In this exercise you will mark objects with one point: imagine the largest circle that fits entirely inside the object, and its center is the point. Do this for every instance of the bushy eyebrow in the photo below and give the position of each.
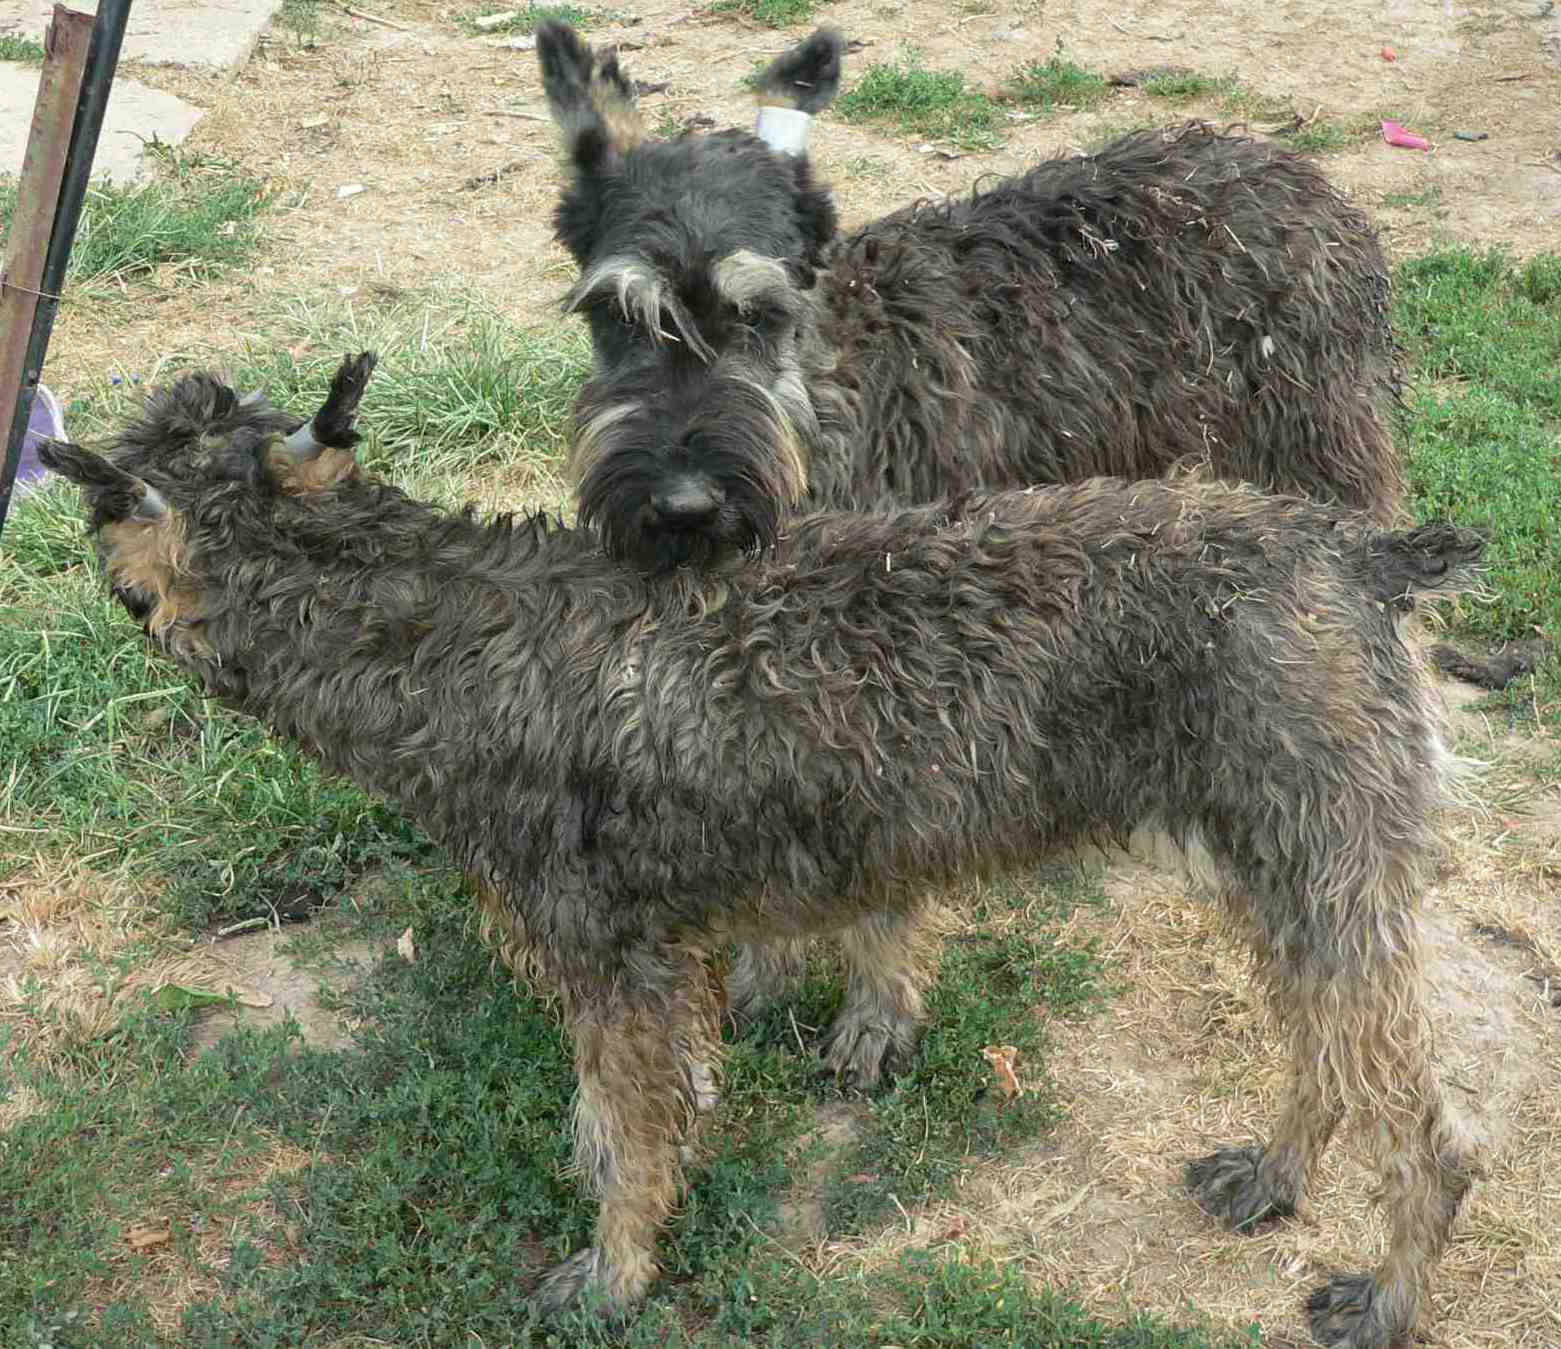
(643, 296)
(750, 281)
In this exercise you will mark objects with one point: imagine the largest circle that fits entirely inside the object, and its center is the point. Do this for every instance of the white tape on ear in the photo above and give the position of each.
(783, 129)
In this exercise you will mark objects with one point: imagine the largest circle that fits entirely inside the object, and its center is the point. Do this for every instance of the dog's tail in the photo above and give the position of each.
(1397, 565)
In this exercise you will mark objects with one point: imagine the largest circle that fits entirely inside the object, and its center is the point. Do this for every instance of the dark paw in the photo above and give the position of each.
(1344, 1312)
(579, 1282)
(1228, 1185)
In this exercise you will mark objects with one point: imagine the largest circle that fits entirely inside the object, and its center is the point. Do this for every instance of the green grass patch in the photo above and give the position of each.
(1429, 196)
(527, 19)
(15, 47)
(301, 19)
(1482, 425)
(409, 1188)
(937, 105)
(770, 13)
(1183, 86)
(1057, 83)
(200, 214)
(1229, 93)
(1325, 135)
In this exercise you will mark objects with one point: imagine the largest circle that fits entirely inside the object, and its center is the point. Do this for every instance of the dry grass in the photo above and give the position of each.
(175, 1263)
(65, 933)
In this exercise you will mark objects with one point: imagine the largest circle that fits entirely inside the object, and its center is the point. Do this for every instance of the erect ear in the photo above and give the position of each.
(591, 99)
(319, 454)
(804, 78)
(113, 494)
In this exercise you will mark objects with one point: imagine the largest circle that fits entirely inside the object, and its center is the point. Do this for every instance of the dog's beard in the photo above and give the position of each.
(744, 443)
(615, 501)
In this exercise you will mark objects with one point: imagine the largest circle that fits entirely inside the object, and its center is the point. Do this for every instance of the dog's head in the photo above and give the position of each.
(198, 457)
(695, 258)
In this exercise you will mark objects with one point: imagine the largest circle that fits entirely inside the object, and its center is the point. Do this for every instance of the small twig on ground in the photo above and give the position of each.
(802, 1048)
(494, 178)
(375, 18)
(524, 116)
(1153, 37)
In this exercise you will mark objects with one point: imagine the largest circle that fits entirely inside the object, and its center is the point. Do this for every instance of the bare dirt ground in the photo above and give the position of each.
(448, 135)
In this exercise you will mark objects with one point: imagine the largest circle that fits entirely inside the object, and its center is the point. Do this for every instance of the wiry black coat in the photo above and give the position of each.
(887, 699)
(1190, 294)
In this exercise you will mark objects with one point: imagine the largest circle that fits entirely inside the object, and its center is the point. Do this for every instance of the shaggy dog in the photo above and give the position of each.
(638, 770)
(1180, 294)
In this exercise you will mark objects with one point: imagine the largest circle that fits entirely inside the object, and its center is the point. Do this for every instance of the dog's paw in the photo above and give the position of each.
(862, 1048)
(1229, 1185)
(579, 1283)
(1344, 1312)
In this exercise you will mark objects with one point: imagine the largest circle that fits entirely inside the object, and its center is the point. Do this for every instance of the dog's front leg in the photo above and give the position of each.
(646, 1045)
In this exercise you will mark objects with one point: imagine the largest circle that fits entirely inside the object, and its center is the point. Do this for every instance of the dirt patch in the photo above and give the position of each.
(64, 931)
(282, 986)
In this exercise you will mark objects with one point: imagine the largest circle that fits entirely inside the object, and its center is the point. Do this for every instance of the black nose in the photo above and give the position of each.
(688, 502)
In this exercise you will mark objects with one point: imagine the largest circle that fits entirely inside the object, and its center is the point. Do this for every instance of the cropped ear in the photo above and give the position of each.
(319, 454)
(113, 494)
(804, 78)
(591, 99)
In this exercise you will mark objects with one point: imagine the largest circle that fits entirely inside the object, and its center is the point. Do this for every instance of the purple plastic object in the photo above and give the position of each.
(45, 423)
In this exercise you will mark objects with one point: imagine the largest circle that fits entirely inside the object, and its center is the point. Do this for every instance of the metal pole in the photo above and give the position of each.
(69, 192)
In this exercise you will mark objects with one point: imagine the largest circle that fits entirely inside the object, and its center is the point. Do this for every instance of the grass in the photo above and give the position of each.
(1482, 426)
(770, 13)
(408, 1187)
(202, 215)
(943, 1113)
(1183, 86)
(527, 18)
(1319, 136)
(15, 47)
(301, 18)
(1429, 196)
(1057, 83)
(936, 105)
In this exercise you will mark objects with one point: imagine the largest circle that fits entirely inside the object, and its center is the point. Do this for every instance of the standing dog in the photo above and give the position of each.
(639, 769)
(1179, 294)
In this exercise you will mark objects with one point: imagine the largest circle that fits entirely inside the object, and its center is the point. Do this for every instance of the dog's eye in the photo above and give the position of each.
(772, 322)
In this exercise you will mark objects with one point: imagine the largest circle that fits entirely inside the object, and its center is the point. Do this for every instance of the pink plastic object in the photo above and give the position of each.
(1394, 134)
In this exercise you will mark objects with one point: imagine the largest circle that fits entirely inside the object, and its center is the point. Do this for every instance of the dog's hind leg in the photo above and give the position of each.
(1343, 975)
(647, 1058)
(881, 1020)
(1425, 1170)
(1244, 1187)
(762, 973)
